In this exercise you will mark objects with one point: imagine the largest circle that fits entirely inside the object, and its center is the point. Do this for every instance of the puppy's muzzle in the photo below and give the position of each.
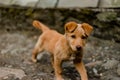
(78, 48)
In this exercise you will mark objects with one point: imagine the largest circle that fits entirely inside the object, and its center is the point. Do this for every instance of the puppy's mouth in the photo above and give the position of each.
(76, 49)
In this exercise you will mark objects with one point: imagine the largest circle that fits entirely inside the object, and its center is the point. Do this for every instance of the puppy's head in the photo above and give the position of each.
(76, 34)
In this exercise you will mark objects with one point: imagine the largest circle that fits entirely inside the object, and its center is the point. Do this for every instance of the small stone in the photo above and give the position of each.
(10, 66)
(93, 60)
(95, 71)
(6, 77)
(106, 48)
(101, 74)
(10, 77)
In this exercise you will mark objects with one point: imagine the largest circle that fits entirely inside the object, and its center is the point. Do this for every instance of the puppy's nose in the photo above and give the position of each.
(78, 48)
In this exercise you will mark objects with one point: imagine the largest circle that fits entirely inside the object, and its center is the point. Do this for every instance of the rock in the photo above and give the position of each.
(10, 77)
(118, 70)
(91, 64)
(95, 71)
(107, 16)
(18, 73)
(110, 64)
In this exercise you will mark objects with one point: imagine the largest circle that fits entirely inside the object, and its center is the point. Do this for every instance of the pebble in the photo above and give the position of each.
(95, 71)
(106, 48)
(6, 77)
(101, 74)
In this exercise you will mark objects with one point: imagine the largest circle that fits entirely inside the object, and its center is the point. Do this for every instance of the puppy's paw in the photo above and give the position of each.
(59, 78)
(34, 60)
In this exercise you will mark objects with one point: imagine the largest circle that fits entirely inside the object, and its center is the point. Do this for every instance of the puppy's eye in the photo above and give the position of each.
(73, 36)
(84, 37)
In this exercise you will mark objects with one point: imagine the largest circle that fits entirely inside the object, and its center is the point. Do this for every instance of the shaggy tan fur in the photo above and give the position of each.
(63, 47)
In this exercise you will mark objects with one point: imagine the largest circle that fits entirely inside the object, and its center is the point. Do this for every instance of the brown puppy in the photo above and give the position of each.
(63, 47)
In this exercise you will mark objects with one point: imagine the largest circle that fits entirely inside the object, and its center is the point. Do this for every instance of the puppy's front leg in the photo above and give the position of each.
(58, 70)
(81, 69)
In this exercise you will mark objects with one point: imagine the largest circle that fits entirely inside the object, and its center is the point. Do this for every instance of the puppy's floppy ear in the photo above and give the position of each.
(87, 28)
(70, 27)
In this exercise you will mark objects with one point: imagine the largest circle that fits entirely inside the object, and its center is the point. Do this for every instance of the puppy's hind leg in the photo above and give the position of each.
(38, 48)
(52, 60)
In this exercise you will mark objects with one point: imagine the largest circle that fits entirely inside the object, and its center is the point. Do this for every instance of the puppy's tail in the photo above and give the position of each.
(40, 26)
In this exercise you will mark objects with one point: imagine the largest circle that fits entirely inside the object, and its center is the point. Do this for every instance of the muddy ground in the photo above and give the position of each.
(102, 58)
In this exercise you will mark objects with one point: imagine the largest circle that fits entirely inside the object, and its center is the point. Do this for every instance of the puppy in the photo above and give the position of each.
(63, 47)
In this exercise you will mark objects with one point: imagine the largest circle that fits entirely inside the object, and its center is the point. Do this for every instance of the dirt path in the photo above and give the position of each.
(102, 59)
